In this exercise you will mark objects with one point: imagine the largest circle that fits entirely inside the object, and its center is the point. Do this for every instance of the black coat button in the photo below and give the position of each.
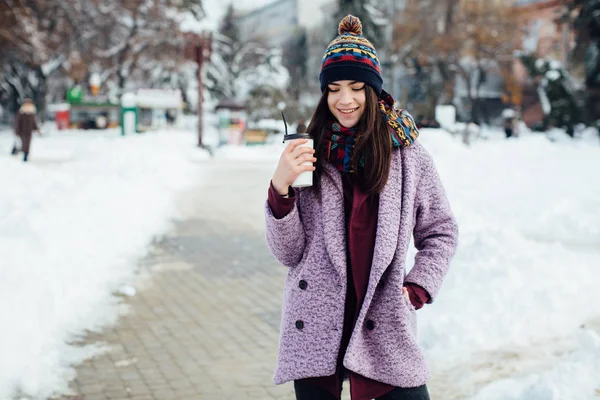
(370, 325)
(299, 324)
(302, 284)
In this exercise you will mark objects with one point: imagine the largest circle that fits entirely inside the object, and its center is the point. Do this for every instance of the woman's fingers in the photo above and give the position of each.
(300, 155)
(299, 151)
(305, 158)
(294, 144)
(405, 293)
(304, 168)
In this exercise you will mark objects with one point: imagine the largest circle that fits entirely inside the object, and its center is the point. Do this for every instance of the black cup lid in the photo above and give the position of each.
(299, 135)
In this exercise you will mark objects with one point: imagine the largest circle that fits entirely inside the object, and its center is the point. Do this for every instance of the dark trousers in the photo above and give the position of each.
(306, 391)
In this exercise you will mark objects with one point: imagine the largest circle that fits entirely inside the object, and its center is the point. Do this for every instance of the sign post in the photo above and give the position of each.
(199, 48)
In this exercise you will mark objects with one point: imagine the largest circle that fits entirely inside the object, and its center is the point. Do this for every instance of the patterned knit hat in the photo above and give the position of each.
(350, 56)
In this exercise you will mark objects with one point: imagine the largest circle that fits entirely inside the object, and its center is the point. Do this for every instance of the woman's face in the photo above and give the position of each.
(346, 101)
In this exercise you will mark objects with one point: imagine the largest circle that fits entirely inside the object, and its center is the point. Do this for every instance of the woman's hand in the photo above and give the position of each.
(406, 294)
(290, 165)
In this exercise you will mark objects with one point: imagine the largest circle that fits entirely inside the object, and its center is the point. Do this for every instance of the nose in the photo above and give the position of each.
(346, 96)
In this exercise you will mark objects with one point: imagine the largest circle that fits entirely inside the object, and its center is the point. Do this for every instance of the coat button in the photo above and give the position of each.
(370, 325)
(299, 324)
(302, 284)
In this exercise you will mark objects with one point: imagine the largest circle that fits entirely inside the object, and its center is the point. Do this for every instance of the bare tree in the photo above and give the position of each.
(34, 47)
(443, 40)
(133, 35)
(137, 41)
(237, 66)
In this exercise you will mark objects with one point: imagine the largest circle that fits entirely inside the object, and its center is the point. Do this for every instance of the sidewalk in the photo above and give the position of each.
(205, 325)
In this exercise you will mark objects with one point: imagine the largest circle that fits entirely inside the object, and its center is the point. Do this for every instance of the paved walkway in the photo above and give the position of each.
(205, 324)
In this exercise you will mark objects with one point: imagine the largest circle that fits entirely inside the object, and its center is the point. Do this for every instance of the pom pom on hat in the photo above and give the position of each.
(350, 24)
(350, 56)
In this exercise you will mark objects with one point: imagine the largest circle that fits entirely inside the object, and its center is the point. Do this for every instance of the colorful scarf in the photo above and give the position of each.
(338, 141)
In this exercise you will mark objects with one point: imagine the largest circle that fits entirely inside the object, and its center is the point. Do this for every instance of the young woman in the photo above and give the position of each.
(349, 304)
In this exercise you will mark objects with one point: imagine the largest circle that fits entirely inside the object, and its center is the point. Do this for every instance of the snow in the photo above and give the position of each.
(159, 98)
(546, 106)
(508, 113)
(555, 65)
(520, 299)
(553, 75)
(276, 125)
(540, 63)
(52, 65)
(576, 377)
(73, 223)
(525, 276)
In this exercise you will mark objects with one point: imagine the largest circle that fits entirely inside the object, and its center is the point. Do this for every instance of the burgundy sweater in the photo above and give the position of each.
(361, 228)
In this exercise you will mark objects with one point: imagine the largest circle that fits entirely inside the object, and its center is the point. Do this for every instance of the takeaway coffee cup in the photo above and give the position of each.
(305, 178)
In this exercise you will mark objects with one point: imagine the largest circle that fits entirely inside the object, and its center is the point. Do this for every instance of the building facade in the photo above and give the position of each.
(276, 22)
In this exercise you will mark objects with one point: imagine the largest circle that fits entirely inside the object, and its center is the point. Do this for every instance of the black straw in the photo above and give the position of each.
(285, 123)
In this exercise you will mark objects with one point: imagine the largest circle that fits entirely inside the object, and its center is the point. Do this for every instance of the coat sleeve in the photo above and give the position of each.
(435, 232)
(285, 236)
(280, 206)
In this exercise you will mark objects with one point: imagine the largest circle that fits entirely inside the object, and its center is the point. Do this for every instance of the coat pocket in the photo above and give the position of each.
(411, 315)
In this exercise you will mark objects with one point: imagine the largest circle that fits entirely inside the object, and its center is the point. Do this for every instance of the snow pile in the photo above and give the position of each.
(575, 378)
(526, 271)
(73, 223)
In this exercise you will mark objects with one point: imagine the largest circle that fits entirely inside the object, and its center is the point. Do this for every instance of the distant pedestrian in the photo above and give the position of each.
(509, 127)
(25, 125)
(301, 127)
(349, 305)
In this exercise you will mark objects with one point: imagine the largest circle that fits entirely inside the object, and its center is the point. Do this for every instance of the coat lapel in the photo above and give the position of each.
(388, 221)
(332, 193)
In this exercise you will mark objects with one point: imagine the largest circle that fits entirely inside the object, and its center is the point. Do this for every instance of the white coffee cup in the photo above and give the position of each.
(305, 179)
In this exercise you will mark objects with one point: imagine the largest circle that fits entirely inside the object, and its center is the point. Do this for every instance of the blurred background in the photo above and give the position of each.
(538, 58)
(132, 252)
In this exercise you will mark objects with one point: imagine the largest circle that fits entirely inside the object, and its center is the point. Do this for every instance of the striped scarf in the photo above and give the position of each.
(339, 141)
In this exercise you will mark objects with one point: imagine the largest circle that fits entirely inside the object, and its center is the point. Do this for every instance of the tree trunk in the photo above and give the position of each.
(13, 99)
(122, 80)
(470, 106)
(475, 112)
(40, 93)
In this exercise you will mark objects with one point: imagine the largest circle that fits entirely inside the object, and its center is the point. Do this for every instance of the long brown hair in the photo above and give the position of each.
(373, 142)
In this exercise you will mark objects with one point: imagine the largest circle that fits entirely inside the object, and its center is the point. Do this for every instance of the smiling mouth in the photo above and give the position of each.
(348, 110)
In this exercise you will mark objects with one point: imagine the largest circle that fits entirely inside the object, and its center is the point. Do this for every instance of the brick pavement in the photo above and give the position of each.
(204, 323)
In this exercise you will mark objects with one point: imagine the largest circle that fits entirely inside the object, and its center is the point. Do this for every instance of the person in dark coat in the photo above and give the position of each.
(301, 127)
(25, 125)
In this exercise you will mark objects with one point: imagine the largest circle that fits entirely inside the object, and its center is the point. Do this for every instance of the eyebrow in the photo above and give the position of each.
(337, 84)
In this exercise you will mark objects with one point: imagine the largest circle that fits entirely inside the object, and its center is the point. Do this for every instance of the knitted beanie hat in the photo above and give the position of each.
(350, 56)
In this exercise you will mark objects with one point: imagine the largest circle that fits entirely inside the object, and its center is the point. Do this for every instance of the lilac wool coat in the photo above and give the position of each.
(311, 242)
